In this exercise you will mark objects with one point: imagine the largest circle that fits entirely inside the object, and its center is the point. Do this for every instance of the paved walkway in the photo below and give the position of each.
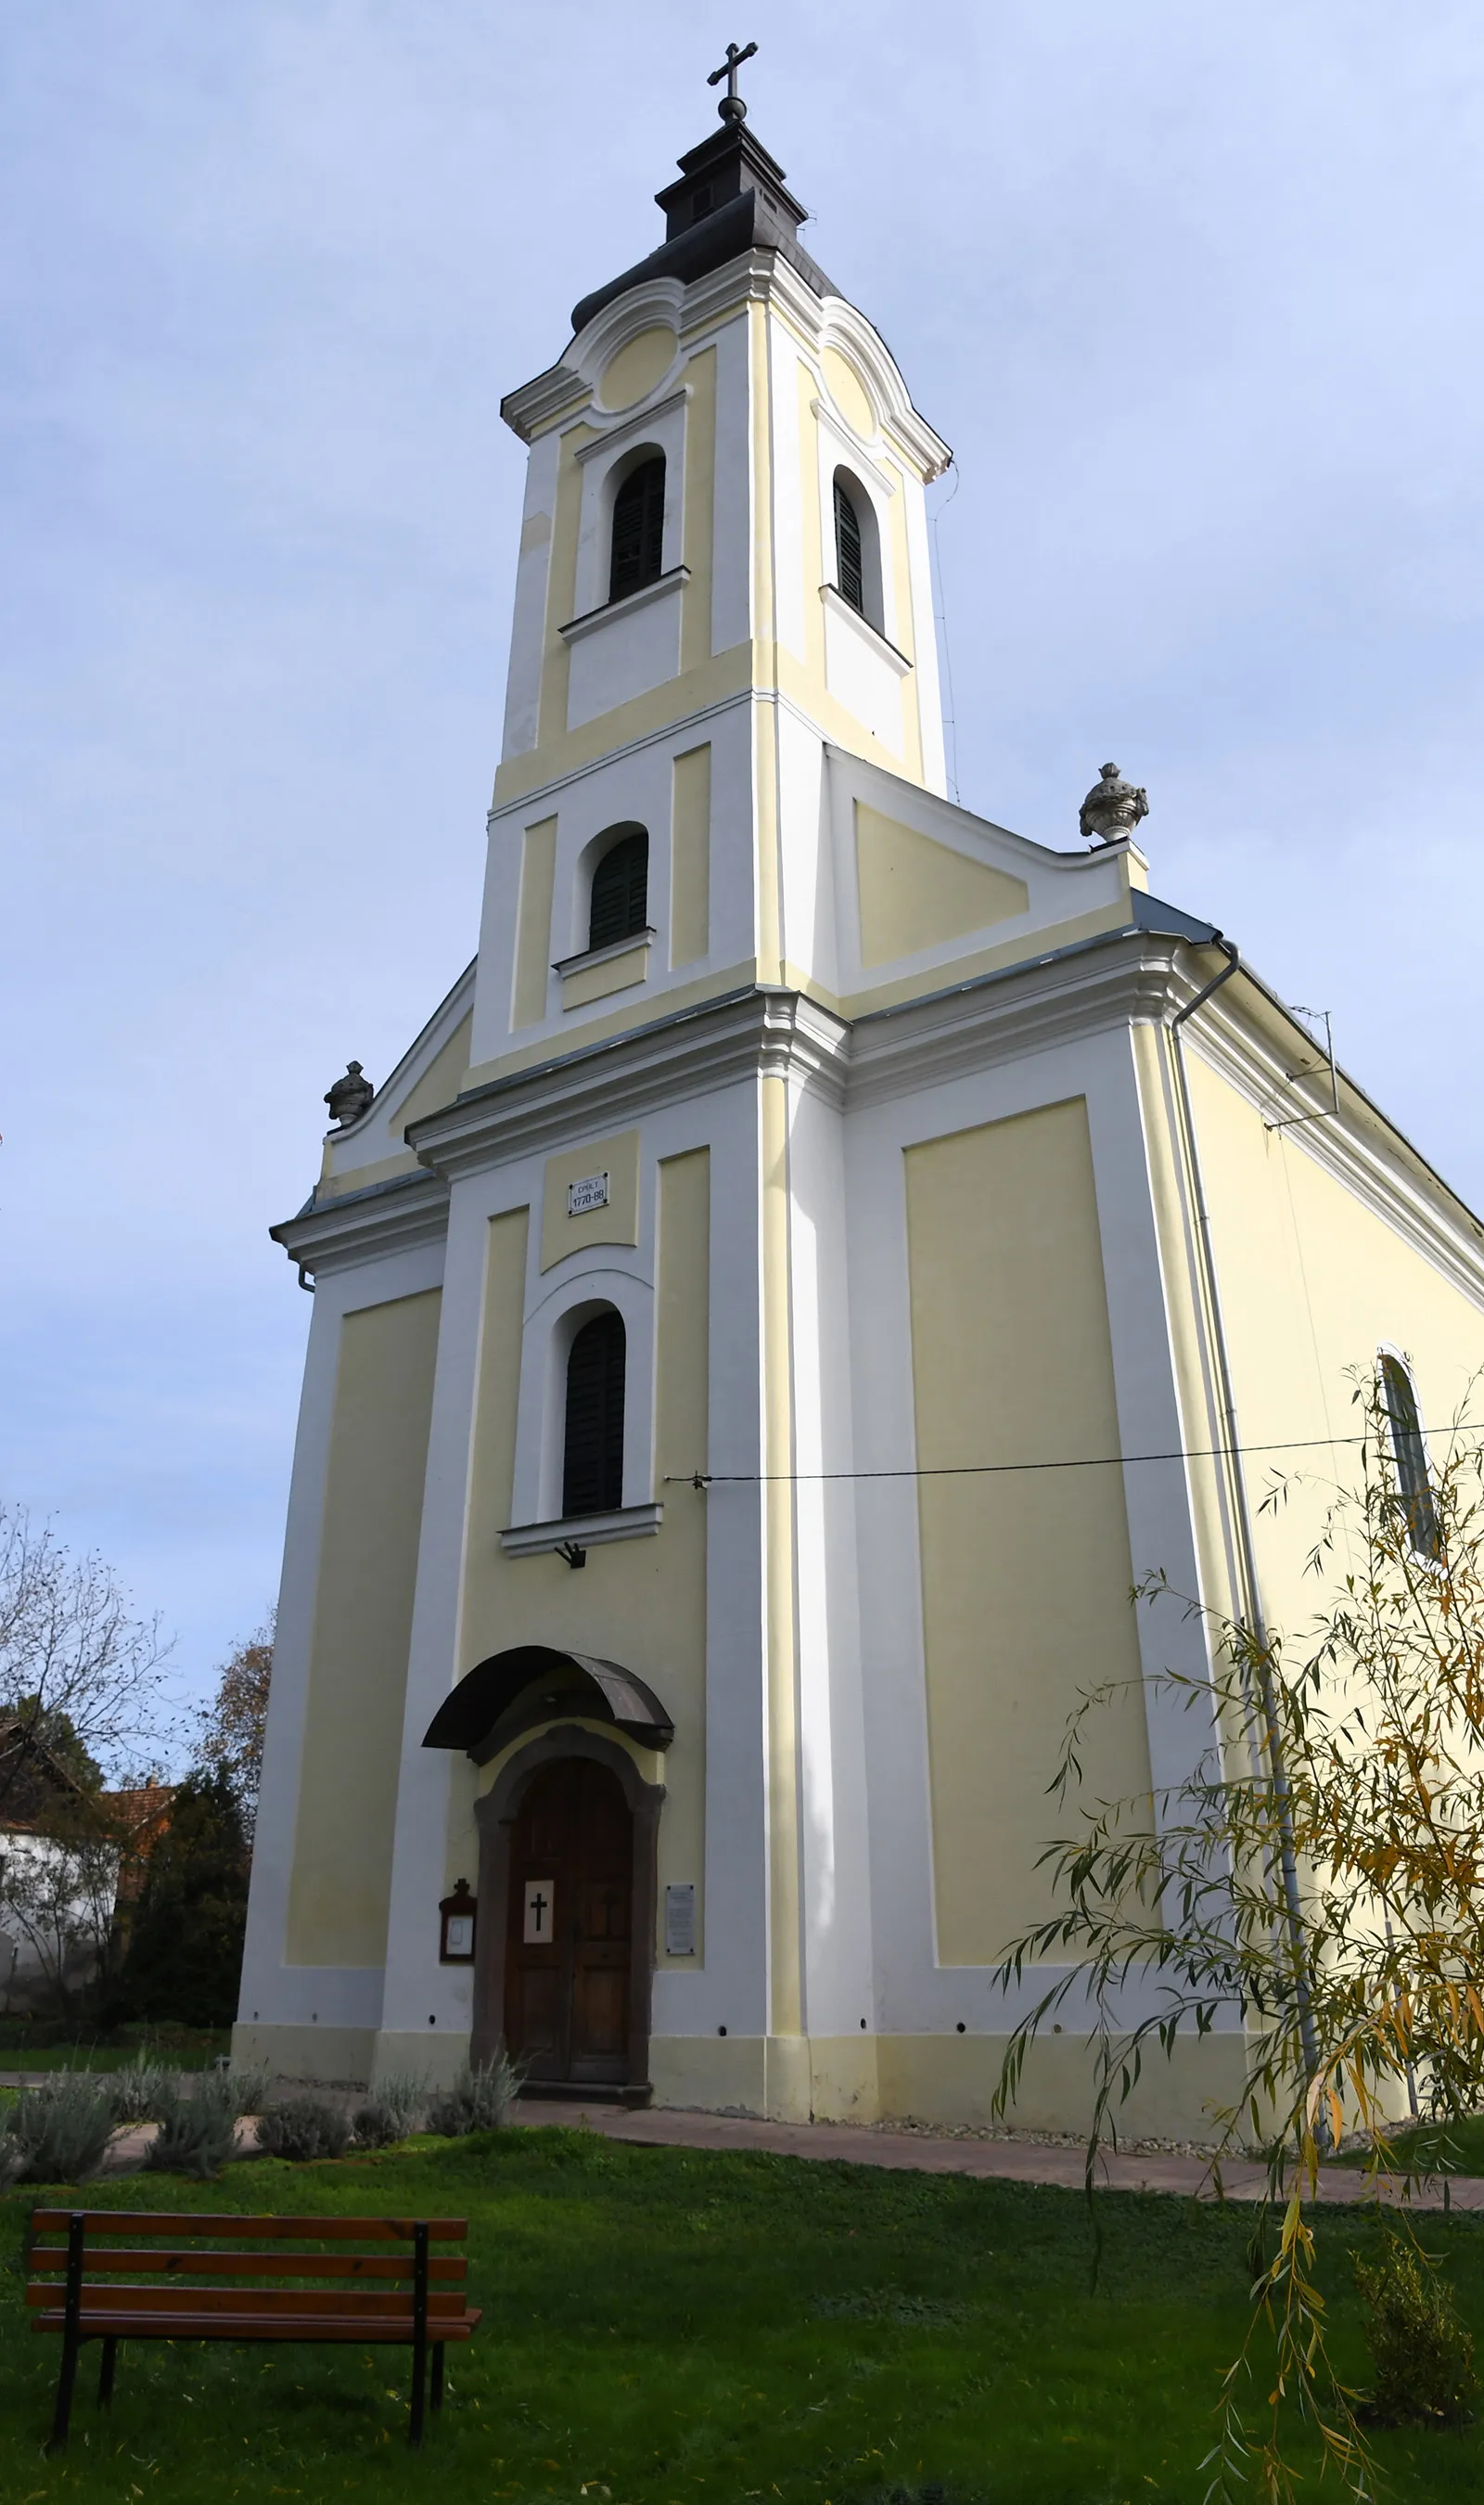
(1007, 2160)
(1014, 2161)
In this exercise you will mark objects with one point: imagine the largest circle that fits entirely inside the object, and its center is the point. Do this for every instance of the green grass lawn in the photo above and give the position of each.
(1446, 2148)
(110, 2057)
(663, 2326)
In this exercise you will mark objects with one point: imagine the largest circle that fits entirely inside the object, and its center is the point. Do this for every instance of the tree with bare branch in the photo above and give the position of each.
(80, 1675)
(234, 1723)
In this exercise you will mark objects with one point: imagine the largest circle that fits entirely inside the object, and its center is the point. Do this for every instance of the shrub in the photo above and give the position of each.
(247, 2089)
(197, 2134)
(61, 2128)
(1421, 2354)
(479, 2100)
(143, 2091)
(302, 2129)
(391, 2111)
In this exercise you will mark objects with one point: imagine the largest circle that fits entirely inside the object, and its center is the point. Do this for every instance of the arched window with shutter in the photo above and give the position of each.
(593, 1453)
(1410, 1452)
(638, 529)
(849, 561)
(619, 905)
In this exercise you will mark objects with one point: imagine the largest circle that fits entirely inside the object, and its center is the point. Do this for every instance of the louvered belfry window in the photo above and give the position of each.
(1411, 1457)
(638, 529)
(620, 900)
(593, 1456)
(847, 558)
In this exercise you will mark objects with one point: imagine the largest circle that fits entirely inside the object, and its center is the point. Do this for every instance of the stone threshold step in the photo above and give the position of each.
(589, 2092)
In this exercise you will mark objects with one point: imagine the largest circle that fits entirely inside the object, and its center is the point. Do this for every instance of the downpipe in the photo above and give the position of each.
(1251, 1594)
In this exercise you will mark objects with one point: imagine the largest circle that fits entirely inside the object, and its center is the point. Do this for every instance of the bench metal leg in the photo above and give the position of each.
(418, 2327)
(64, 2384)
(106, 2375)
(72, 2333)
(435, 2396)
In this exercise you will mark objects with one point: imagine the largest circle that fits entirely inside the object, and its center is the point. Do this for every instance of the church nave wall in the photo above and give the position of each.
(1026, 1577)
(362, 1619)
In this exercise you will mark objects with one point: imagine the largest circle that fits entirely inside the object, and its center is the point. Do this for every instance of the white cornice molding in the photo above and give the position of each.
(759, 275)
(1114, 979)
(840, 325)
(1096, 986)
(531, 408)
(366, 1226)
(746, 1035)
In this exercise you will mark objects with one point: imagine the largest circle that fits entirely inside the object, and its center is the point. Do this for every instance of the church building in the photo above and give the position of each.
(823, 1252)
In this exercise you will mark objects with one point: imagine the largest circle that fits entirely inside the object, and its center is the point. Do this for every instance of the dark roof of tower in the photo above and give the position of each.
(731, 198)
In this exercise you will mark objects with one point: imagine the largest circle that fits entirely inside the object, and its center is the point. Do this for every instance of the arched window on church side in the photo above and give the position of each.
(619, 906)
(849, 569)
(593, 1454)
(638, 529)
(1411, 1458)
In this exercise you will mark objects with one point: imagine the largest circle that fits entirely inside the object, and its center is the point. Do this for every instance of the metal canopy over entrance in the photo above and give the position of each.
(531, 1684)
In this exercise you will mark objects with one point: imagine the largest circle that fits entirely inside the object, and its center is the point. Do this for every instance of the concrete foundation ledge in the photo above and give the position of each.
(946, 2081)
(343, 2054)
(352, 2055)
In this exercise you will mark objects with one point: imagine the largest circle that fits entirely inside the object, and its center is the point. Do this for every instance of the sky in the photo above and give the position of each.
(1192, 293)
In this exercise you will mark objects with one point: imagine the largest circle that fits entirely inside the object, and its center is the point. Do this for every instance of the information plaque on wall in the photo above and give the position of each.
(680, 1922)
(589, 1191)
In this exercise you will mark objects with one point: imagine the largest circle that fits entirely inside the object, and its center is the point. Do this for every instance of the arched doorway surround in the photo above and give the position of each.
(497, 1817)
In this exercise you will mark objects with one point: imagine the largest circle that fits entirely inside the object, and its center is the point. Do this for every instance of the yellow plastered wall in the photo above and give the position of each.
(640, 1601)
(362, 1625)
(1312, 1282)
(690, 857)
(1025, 1577)
(916, 892)
(532, 928)
(614, 974)
(638, 367)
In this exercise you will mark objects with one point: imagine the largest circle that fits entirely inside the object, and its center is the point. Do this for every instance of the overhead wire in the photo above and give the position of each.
(996, 1469)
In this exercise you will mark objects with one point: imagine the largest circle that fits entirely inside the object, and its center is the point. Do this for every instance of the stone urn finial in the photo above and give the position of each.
(350, 1096)
(1111, 808)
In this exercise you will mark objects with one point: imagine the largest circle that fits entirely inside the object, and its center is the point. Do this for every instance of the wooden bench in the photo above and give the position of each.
(114, 2274)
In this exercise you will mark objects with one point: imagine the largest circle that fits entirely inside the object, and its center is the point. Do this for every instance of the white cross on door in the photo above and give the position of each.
(540, 1911)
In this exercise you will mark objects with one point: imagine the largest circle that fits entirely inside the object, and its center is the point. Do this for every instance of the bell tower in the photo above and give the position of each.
(723, 572)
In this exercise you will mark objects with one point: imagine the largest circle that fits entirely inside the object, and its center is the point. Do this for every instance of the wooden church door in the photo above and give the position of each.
(568, 1949)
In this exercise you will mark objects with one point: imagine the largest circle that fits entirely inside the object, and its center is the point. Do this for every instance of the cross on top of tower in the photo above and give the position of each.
(732, 107)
